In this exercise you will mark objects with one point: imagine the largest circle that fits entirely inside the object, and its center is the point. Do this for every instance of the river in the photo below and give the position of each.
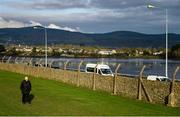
(128, 66)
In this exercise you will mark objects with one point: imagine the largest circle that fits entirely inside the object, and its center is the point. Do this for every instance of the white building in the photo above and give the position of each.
(158, 53)
(107, 52)
(27, 49)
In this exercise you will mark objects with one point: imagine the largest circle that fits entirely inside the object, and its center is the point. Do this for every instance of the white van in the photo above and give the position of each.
(158, 78)
(101, 69)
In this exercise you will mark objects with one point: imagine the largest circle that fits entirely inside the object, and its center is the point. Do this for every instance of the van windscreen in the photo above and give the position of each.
(90, 69)
(106, 71)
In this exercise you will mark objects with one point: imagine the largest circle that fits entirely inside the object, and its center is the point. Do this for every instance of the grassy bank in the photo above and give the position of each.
(55, 98)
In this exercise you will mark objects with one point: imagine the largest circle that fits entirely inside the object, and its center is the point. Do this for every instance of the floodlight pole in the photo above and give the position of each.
(45, 37)
(166, 70)
(166, 18)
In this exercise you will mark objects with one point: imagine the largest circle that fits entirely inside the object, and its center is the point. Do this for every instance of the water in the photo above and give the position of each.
(128, 66)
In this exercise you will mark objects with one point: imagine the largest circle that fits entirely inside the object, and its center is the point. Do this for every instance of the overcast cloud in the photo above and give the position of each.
(97, 16)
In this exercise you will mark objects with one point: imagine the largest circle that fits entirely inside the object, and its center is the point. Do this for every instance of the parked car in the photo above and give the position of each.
(158, 78)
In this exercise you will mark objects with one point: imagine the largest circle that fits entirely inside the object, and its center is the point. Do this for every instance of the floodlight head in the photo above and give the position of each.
(150, 6)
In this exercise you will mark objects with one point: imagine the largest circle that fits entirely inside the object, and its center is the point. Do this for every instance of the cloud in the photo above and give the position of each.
(18, 24)
(53, 26)
(33, 23)
(10, 23)
(69, 4)
(46, 4)
(59, 4)
(93, 15)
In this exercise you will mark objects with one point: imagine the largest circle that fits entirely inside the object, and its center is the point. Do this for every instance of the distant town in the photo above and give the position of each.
(88, 51)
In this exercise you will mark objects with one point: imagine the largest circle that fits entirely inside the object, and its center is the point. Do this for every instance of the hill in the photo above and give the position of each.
(30, 35)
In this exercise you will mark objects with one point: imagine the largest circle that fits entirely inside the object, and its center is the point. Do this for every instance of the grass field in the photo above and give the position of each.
(55, 98)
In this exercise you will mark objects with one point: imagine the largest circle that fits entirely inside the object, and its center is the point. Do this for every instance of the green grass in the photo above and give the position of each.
(55, 98)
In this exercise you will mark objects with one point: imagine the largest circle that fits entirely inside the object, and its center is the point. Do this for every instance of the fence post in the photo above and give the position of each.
(139, 83)
(51, 70)
(22, 60)
(94, 81)
(9, 59)
(65, 64)
(59, 64)
(15, 60)
(3, 58)
(171, 97)
(78, 73)
(50, 64)
(29, 65)
(141, 86)
(38, 73)
(115, 79)
(30, 62)
(39, 62)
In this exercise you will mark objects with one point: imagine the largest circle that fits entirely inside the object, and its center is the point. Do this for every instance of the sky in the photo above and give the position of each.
(92, 16)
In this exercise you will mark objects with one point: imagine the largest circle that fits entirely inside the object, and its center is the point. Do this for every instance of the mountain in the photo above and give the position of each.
(32, 36)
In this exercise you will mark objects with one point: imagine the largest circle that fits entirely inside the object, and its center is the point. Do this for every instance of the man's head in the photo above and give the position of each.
(26, 78)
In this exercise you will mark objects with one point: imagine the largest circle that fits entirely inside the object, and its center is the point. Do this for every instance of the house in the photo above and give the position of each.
(27, 49)
(158, 53)
(107, 52)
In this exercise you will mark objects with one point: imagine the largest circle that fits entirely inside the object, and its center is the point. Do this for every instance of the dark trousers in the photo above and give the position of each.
(25, 98)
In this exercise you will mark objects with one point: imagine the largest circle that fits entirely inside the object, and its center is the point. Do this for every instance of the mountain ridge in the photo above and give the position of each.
(31, 36)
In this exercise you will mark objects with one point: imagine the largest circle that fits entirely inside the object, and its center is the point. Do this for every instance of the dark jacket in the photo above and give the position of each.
(25, 87)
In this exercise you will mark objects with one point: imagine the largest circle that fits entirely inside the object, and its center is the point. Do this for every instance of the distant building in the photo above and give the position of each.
(107, 52)
(158, 53)
(49, 49)
(138, 52)
(60, 50)
(20, 49)
(38, 49)
(28, 49)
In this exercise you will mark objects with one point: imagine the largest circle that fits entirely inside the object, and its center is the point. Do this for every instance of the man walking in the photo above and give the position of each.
(25, 90)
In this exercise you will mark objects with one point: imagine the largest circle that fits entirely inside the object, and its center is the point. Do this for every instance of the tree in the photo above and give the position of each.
(33, 53)
(175, 51)
(12, 52)
(2, 49)
(34, 50)
(146, 52)
(55, 53)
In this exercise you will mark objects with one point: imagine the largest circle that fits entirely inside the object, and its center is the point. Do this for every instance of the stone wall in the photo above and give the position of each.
(127, 86)
(158, 91)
